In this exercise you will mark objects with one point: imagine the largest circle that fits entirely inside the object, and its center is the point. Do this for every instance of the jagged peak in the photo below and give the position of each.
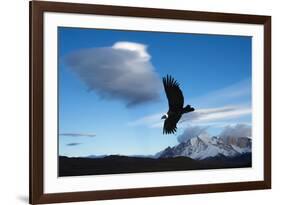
(204, 146)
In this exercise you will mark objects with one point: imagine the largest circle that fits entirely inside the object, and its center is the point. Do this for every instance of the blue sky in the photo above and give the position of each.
(111, 97)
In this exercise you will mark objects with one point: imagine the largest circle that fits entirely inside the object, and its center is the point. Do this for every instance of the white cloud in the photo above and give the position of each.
(239, 130)
(233, 131)
(190, 132)
(215, 114)
(208, 116)
(121, 72)
(140, 49)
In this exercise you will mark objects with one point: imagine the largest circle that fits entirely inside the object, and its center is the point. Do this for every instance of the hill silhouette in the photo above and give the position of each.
(115, 164)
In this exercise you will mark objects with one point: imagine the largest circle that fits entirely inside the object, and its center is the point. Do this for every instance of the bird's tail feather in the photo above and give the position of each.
(187, 109)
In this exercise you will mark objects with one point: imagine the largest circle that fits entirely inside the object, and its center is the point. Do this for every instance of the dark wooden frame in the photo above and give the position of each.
(37, 9)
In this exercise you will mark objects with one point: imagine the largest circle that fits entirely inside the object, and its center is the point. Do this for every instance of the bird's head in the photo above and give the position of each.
(164, 116)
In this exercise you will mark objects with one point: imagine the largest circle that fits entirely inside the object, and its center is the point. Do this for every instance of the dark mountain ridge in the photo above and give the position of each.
(197, 153)
(115, 164)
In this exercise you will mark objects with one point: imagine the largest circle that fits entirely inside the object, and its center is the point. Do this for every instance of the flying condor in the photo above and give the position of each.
(176, 103)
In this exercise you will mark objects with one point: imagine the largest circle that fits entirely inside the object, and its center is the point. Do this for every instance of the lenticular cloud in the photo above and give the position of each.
(120, 72)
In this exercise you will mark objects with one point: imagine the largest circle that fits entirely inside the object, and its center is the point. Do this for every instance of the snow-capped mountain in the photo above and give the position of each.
(204, 146)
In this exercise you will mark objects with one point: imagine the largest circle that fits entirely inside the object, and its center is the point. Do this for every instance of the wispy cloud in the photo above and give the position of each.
(190, 132)
(209, 116)
(215, 114)
(73, 144)
(122, 72)
(237, 131)
(238, 91)
(229, 103)
(72, 134)
(147, 120)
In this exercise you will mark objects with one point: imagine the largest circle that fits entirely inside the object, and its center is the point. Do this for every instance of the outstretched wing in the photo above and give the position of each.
(173, 93)
(170, 124)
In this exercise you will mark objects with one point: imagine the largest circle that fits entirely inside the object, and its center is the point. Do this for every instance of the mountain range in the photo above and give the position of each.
(196, 153)
(204, 147)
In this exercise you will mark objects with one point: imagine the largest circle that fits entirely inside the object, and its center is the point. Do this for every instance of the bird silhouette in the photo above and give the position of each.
(176, 103)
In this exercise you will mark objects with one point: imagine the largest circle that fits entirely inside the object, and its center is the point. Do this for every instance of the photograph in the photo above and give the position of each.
(129, 102)
(148, 101)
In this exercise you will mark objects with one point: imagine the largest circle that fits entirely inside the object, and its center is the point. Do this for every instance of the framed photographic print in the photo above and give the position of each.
(138, 102)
